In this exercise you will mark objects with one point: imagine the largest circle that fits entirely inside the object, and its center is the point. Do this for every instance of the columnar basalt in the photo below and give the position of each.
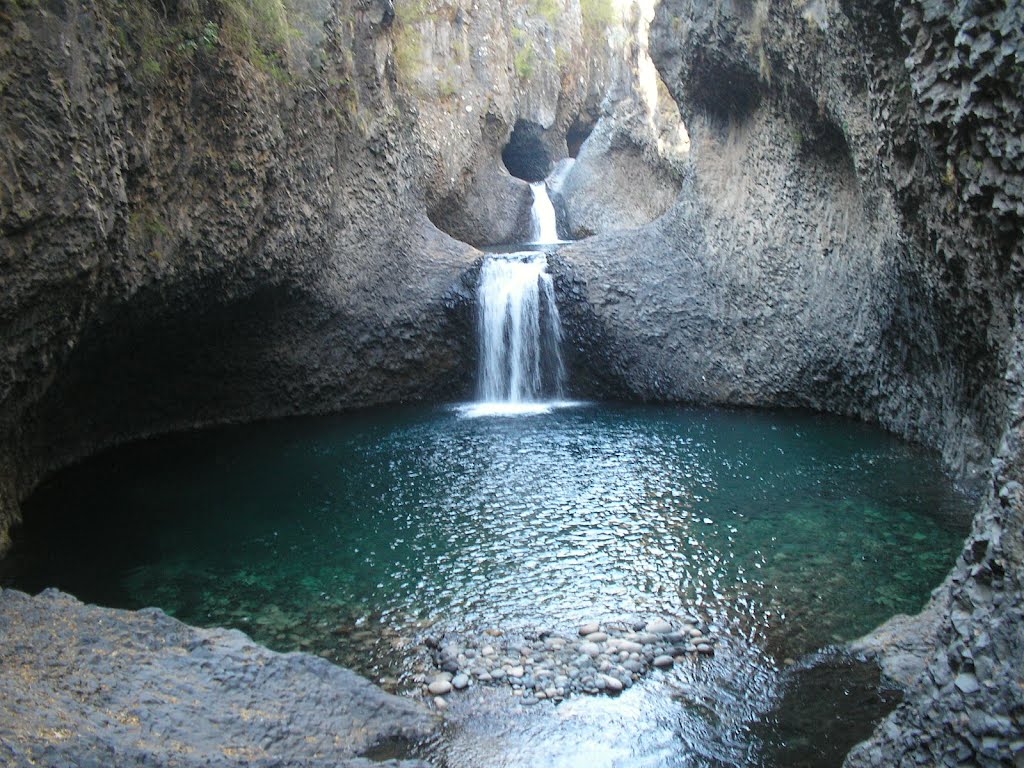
(848, 238)
(212, 217)
(203, 221)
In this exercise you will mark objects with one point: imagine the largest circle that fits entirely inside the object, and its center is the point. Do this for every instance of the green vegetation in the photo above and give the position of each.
(162, 41)
(598, 16)
(407, 46)
(549, 10)
(562, 59)
(447, 89)
(525, 61)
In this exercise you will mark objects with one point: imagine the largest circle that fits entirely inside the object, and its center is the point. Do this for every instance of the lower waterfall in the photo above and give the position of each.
(520, 332)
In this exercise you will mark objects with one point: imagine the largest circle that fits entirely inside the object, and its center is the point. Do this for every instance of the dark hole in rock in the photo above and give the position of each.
(827, 142)
(526, 156)
(578, 133)
(727, 94)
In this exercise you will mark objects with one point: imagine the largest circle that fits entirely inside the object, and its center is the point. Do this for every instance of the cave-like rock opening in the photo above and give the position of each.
(579, 131)
(526, 156)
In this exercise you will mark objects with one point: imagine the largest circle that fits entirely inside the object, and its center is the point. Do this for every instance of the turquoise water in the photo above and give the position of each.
(352, 536)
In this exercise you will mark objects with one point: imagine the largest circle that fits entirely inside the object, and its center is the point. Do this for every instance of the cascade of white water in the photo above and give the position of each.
(520, 331)
(542, 213)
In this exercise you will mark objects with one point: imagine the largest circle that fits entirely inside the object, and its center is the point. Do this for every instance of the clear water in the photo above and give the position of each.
(352, 536)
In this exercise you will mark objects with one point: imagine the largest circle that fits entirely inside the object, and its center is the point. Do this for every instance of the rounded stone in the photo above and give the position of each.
(440, 703)
(628, 646)
(596, 637)
(658, 627)
(460, 681)
(589, 628)
(663, 662)
(439, 687)
(590, 649)
(612, 684)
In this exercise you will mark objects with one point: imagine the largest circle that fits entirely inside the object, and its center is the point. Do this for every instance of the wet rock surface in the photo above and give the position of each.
(602, 658)
(88, 686)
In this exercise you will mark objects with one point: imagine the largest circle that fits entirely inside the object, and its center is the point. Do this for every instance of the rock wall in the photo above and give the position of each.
(628, 171)
(96, 687)
(820, 253)
(212, 214)
(849, 237)
(481, 73)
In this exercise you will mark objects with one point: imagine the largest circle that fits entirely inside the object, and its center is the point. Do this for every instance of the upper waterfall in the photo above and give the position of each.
(542, 214)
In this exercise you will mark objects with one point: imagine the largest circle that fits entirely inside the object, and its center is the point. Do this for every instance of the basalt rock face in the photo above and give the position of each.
(91, 686)
(848, 237)
(194, 238)
(493, 80)
(836, 264)
(628, 171)
(964, 703)
(210, 217)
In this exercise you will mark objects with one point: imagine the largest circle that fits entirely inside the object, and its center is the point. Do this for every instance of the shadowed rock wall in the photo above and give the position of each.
(209, 216)
(849, 238)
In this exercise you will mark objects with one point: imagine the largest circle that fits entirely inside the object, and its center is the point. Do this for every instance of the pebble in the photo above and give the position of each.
(611, 683)
(658, 627)
(590, 648)
(626, 645)
(543, 665)
(439, 687)
(440, 703)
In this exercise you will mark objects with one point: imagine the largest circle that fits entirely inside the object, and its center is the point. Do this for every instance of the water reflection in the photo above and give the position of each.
(354, 536)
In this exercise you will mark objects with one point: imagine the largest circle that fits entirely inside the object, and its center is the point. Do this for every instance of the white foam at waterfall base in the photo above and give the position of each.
(542, 215)
(484, 409)
(520, 337)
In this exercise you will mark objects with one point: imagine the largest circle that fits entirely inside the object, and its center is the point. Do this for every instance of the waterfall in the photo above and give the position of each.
(542, 214)
(520, 331)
